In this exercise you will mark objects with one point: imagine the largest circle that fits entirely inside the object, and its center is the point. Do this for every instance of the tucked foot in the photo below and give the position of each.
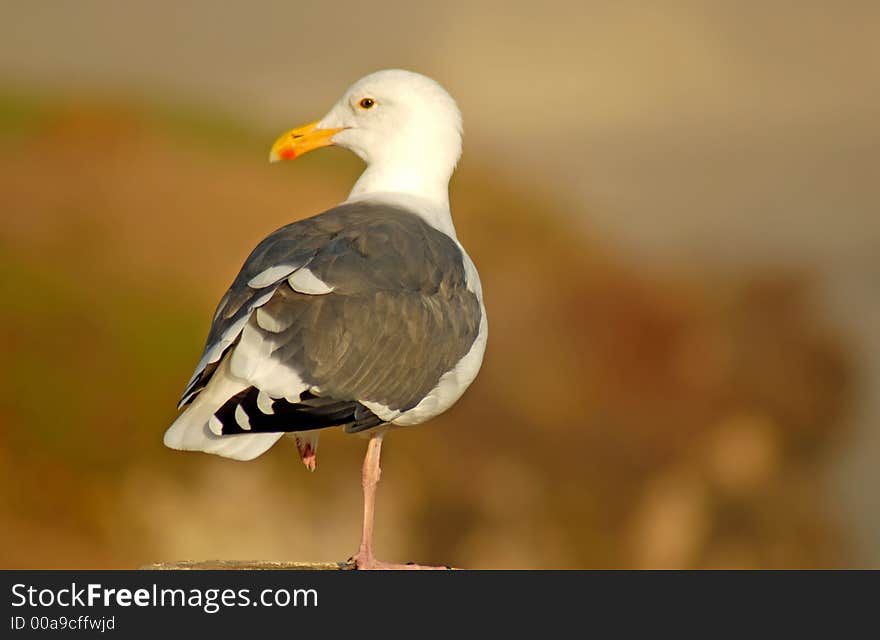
(366, 562)
(307, 445)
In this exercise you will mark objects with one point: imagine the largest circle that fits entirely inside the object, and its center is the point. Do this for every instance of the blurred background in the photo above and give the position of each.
(674, 209)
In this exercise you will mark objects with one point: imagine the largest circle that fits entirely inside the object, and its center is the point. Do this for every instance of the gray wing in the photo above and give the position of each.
(361, 307)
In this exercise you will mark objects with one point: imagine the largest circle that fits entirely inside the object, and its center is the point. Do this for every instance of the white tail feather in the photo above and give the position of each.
(190, 432)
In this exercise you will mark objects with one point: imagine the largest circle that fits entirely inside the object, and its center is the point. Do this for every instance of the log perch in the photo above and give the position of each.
(247, 565)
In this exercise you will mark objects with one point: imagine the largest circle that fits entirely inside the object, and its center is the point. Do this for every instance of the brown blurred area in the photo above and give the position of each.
(682, 361)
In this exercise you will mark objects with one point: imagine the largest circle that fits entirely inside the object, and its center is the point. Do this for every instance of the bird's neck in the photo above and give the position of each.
(424, 192)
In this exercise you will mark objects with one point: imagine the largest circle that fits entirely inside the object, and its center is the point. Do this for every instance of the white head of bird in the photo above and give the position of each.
(403, 125)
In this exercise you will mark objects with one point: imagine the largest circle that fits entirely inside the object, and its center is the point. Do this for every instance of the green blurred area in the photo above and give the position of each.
(625, 416)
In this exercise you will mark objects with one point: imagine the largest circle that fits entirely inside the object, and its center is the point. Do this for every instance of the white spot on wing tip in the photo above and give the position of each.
(215, 426)
(242, 418)
(304, 281)
(264, 403)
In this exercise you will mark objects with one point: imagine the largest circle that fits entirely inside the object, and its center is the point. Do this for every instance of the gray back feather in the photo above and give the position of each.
(399, 316)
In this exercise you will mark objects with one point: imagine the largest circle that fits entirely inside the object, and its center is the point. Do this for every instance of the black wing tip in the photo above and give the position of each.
(241, 414)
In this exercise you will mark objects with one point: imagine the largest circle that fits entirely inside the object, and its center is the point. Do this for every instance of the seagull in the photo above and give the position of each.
(368, 316)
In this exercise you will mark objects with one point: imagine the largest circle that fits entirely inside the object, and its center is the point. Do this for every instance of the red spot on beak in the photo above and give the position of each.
(287, 154)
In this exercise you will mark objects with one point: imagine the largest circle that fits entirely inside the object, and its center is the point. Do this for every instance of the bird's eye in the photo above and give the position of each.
(367, 103)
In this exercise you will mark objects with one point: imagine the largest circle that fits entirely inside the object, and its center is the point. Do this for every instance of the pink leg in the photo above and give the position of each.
(364, 558)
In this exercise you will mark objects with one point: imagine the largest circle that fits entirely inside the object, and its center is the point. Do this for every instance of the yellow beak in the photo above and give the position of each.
(301, 140)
